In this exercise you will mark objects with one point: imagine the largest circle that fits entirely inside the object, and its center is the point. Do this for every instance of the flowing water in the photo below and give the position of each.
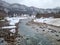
(32, 38)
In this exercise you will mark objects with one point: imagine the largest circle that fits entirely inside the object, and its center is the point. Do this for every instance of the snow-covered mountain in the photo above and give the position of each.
(26, 9)
(3, 3)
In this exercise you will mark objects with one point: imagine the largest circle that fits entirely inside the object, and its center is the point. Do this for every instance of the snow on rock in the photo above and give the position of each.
(8, 27)
(51, 21)
(13, 30)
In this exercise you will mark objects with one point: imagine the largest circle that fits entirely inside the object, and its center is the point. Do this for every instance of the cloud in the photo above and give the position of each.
(13, 1)
(38, 3)
(42, 3)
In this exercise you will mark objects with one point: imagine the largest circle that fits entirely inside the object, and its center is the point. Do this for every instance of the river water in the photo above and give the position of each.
(32, 38)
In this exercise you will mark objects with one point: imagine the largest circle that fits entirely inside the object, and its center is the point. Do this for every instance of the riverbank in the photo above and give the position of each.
(50, 31)
(9, 31)
(50, 21)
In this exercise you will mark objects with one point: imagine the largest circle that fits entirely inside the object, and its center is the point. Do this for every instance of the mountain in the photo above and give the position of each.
(25, 9)
(4, 4)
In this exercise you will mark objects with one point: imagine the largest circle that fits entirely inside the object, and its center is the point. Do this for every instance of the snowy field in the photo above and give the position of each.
(51, 21)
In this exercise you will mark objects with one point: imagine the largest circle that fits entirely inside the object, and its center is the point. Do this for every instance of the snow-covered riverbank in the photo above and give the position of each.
(52, 32)
(14, 20)
(51, 21)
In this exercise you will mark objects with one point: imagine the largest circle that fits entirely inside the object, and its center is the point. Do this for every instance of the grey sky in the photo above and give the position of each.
(38, 3)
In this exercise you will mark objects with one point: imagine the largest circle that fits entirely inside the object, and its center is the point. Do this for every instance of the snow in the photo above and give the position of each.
(43, 20)
(13, 30)
(14, 20)
(2, 20)
(55, 22)
(8, 27)
(51, 21)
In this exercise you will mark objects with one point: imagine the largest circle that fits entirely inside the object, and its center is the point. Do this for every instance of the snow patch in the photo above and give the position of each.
(51, 21)
(43, 20)
(13, 30)
(8, 27)
(14, 20)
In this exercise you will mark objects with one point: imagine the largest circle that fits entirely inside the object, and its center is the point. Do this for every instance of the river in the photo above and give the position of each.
(29, 36)
(32, 37)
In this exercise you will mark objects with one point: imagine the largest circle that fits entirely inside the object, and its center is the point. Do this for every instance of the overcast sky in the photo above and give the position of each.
(38, 3)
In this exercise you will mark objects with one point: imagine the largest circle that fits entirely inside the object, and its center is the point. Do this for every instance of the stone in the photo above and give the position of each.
(58, 40)
(57, 35)
(43, 30)
(27, 38)
(53, 31)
